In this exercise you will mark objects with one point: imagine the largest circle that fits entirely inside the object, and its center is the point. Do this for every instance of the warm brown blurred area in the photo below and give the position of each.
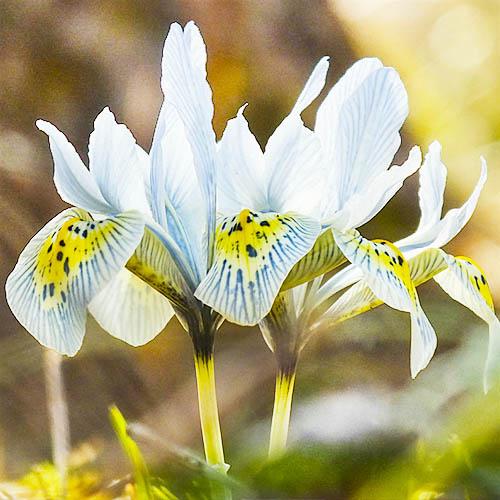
(65, 60)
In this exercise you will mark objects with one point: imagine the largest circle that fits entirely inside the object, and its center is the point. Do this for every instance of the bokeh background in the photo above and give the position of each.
(359, 423)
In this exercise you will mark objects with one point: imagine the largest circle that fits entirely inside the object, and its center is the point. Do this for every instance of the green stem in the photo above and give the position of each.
(285, 381)
(209, 415)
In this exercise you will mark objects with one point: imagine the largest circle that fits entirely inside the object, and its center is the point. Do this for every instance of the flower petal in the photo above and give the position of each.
(388, 275)
(185, 87)
(73, 181)
(432, 184)
(313, 86)
(294, 164)
(241, 176)
(366, 203)
(327, 119)
(176, 198)
(465, 282)
(293, 161)
(254, 253)
(365, 138)
(359, 298)
(119, 166)
(437, 235)
(130, 309)
(63, 267)
(154, 264)
(323, 257)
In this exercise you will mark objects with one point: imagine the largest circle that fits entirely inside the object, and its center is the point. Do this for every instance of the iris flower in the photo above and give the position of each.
(290, 213)
(277, 207)
(142, 231)
(307, 309)
(77, 261)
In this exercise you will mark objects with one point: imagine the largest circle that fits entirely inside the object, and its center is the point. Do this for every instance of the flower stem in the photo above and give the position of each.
(209, 415)
(285, 380)
(58, 413)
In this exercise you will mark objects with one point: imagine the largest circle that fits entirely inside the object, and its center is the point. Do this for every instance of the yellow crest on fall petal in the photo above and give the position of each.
(254, 253)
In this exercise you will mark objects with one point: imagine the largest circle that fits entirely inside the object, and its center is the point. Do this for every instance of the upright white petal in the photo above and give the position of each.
(241, 174)
(294, 163)
(119, 166)
(431, 190)
(366, 203)
(72, 179)
(130, 309)
(185, 87)
(327, 118)
(293, 159)
(176, 198)
(313, 86)
(365, 137)
(64, 266)
(439, 234)
(456, 218)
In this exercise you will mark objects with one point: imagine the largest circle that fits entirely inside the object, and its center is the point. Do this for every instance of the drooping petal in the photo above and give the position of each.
(437, 235)
(119, 166)
(366, 135)
(254, 254)
(185, 87)
(241, 174)
(63, 267)
(130, 309)
(72, 179)
(323, 257)
(465, 282)
(359, 298)
(387, 273)
(366, 203)
(177, 203)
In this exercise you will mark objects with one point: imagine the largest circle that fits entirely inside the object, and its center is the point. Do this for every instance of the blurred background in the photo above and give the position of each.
(359, 422)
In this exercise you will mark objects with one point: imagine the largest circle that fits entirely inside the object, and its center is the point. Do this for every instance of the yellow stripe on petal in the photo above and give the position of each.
(323, 257)
(465, 282)
(359, 298)
(254, 254)
(63, 267)
(388, 275)
(153, 264)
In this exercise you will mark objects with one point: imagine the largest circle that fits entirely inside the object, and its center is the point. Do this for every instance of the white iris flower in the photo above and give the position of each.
(143, 231)
(278, 204)
(460, 277)
(77, 261)
(303, 311)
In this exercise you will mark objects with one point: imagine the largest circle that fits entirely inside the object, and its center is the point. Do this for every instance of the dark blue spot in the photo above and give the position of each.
(251, 251)
(59, 255)
(51, 289)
